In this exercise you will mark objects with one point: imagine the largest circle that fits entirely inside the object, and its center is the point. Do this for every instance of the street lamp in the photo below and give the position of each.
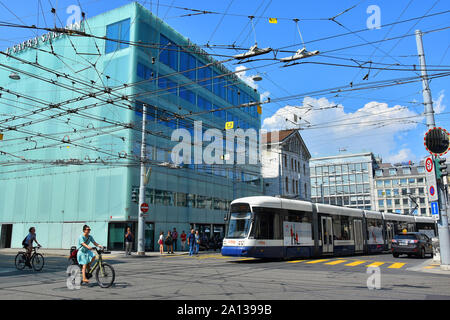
(14, 76)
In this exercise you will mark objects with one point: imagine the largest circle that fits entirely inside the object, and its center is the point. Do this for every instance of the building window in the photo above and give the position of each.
(421, 169)
(406, 170)
(120, 32)
(287, 185)
(392, 172)
(168, 53)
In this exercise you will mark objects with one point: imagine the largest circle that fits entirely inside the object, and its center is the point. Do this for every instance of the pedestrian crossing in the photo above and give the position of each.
(350, 262)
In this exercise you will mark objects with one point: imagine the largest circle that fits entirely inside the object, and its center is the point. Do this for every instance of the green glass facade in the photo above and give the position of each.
(68, 156)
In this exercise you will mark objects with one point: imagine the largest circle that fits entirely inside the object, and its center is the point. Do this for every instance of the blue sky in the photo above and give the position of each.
(366, 120)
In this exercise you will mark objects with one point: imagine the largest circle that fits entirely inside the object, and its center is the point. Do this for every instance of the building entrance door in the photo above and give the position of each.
(327, 234)
(5, 240)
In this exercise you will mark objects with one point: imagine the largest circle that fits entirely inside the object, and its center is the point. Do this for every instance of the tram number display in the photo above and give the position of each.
(296, 234)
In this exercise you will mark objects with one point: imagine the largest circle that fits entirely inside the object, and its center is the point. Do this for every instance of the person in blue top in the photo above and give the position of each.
(191, 242)
(85, 255)
(197, 242)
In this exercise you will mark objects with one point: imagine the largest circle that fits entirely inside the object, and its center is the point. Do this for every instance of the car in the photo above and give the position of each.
(412, 243)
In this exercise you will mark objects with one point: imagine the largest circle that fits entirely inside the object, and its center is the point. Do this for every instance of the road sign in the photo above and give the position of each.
(229, 125)
(430, 176)
(144, 207)
(435, 210)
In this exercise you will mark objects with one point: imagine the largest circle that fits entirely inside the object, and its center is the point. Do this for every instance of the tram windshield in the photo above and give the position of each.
(239, 224)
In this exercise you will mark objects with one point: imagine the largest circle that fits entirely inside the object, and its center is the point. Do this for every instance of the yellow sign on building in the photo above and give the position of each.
(273, 20)
(229, 125)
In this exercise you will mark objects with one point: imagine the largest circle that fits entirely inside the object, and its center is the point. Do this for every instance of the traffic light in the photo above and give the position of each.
(441, 168)
(134, 196)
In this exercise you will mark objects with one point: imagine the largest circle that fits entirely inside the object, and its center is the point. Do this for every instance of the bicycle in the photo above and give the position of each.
(36, 260)
(104, 273)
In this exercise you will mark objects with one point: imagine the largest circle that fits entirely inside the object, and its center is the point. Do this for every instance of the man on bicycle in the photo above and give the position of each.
(28, 244)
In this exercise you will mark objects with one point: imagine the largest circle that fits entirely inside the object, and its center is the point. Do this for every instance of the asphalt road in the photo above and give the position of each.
(211, 276)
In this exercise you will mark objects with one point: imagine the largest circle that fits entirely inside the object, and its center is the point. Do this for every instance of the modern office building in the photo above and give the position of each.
(401, 188)
(285, 165)
(71, 126)
(344, 180)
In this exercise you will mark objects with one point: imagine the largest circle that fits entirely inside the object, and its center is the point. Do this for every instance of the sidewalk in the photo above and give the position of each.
(113, 254)
(430, 266)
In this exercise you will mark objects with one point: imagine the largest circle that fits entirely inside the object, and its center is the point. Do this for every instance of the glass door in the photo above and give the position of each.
(357, 226)
(327, 234)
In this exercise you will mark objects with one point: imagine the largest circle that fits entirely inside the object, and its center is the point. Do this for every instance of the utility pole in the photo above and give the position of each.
(444, 232)
(141, 220)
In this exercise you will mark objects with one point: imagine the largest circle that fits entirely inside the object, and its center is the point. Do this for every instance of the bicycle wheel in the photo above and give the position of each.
(106, 278)
(20, 260)
(37, 262)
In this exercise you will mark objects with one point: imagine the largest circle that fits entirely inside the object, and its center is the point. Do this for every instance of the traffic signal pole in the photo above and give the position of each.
(141, 221)
(444, 232)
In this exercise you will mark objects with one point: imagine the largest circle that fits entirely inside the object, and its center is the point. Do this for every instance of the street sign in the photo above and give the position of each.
(437, 141)
(144, 207)
(229, 125)
(430, 176)
(435, 210)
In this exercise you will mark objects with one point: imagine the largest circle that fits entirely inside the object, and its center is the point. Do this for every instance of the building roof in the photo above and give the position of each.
(277, 136)
(281, 136)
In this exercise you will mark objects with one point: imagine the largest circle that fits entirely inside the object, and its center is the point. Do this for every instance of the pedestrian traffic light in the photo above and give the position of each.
(441, 168)
(134, 196)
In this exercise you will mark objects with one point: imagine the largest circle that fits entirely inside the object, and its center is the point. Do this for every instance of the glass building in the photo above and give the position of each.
(344, 180)
(401, 188)
(71, 130)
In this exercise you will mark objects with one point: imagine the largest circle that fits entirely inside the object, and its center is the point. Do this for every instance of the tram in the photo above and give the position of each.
(269, 227)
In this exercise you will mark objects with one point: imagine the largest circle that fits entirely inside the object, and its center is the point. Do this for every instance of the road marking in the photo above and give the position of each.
(295, 261)
(375, 264)
(245, 259)
(336, 262)
(356, 263)
(396, 265)
(430, 267)
(318, 261)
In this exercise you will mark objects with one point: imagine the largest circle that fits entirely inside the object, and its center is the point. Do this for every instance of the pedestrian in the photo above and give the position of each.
(191, 243)
(183, 241)
(197, 242)
(161, 242)
(129, 237)
(175, 238)
(169, 242)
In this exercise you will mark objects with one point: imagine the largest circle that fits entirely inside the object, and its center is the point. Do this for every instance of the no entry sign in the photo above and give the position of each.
(144, 207)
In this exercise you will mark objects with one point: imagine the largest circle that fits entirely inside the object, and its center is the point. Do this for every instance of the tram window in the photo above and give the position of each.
(268, 223)
(342, 229)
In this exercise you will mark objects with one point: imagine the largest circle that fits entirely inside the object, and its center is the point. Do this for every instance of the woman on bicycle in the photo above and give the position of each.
(85, 255)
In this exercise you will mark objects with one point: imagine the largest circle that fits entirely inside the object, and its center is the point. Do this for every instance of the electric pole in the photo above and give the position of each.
(141, 220)
(444, 232)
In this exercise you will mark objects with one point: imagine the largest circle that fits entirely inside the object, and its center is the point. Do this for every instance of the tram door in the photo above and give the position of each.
(389, 234)
(327, 234)
(359, 242)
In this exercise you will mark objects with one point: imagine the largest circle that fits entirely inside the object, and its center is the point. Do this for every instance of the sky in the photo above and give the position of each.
(386, 120)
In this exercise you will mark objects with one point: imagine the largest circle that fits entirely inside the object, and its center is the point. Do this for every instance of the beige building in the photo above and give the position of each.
(285, 165)
(399, 187)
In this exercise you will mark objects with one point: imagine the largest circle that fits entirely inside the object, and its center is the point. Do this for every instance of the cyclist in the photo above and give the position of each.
(28, 244)
(85, 255)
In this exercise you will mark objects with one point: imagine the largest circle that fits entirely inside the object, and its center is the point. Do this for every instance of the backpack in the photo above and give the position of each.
(24, 242)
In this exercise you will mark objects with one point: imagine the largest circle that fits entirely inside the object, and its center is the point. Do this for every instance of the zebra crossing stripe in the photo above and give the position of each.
(336, 262)
(356, 263)
(396, 265)
(375, 264)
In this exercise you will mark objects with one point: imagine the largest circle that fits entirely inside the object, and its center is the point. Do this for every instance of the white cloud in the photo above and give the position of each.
(438, 105)
(242, 74)
(401, 156)
(328, 127)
